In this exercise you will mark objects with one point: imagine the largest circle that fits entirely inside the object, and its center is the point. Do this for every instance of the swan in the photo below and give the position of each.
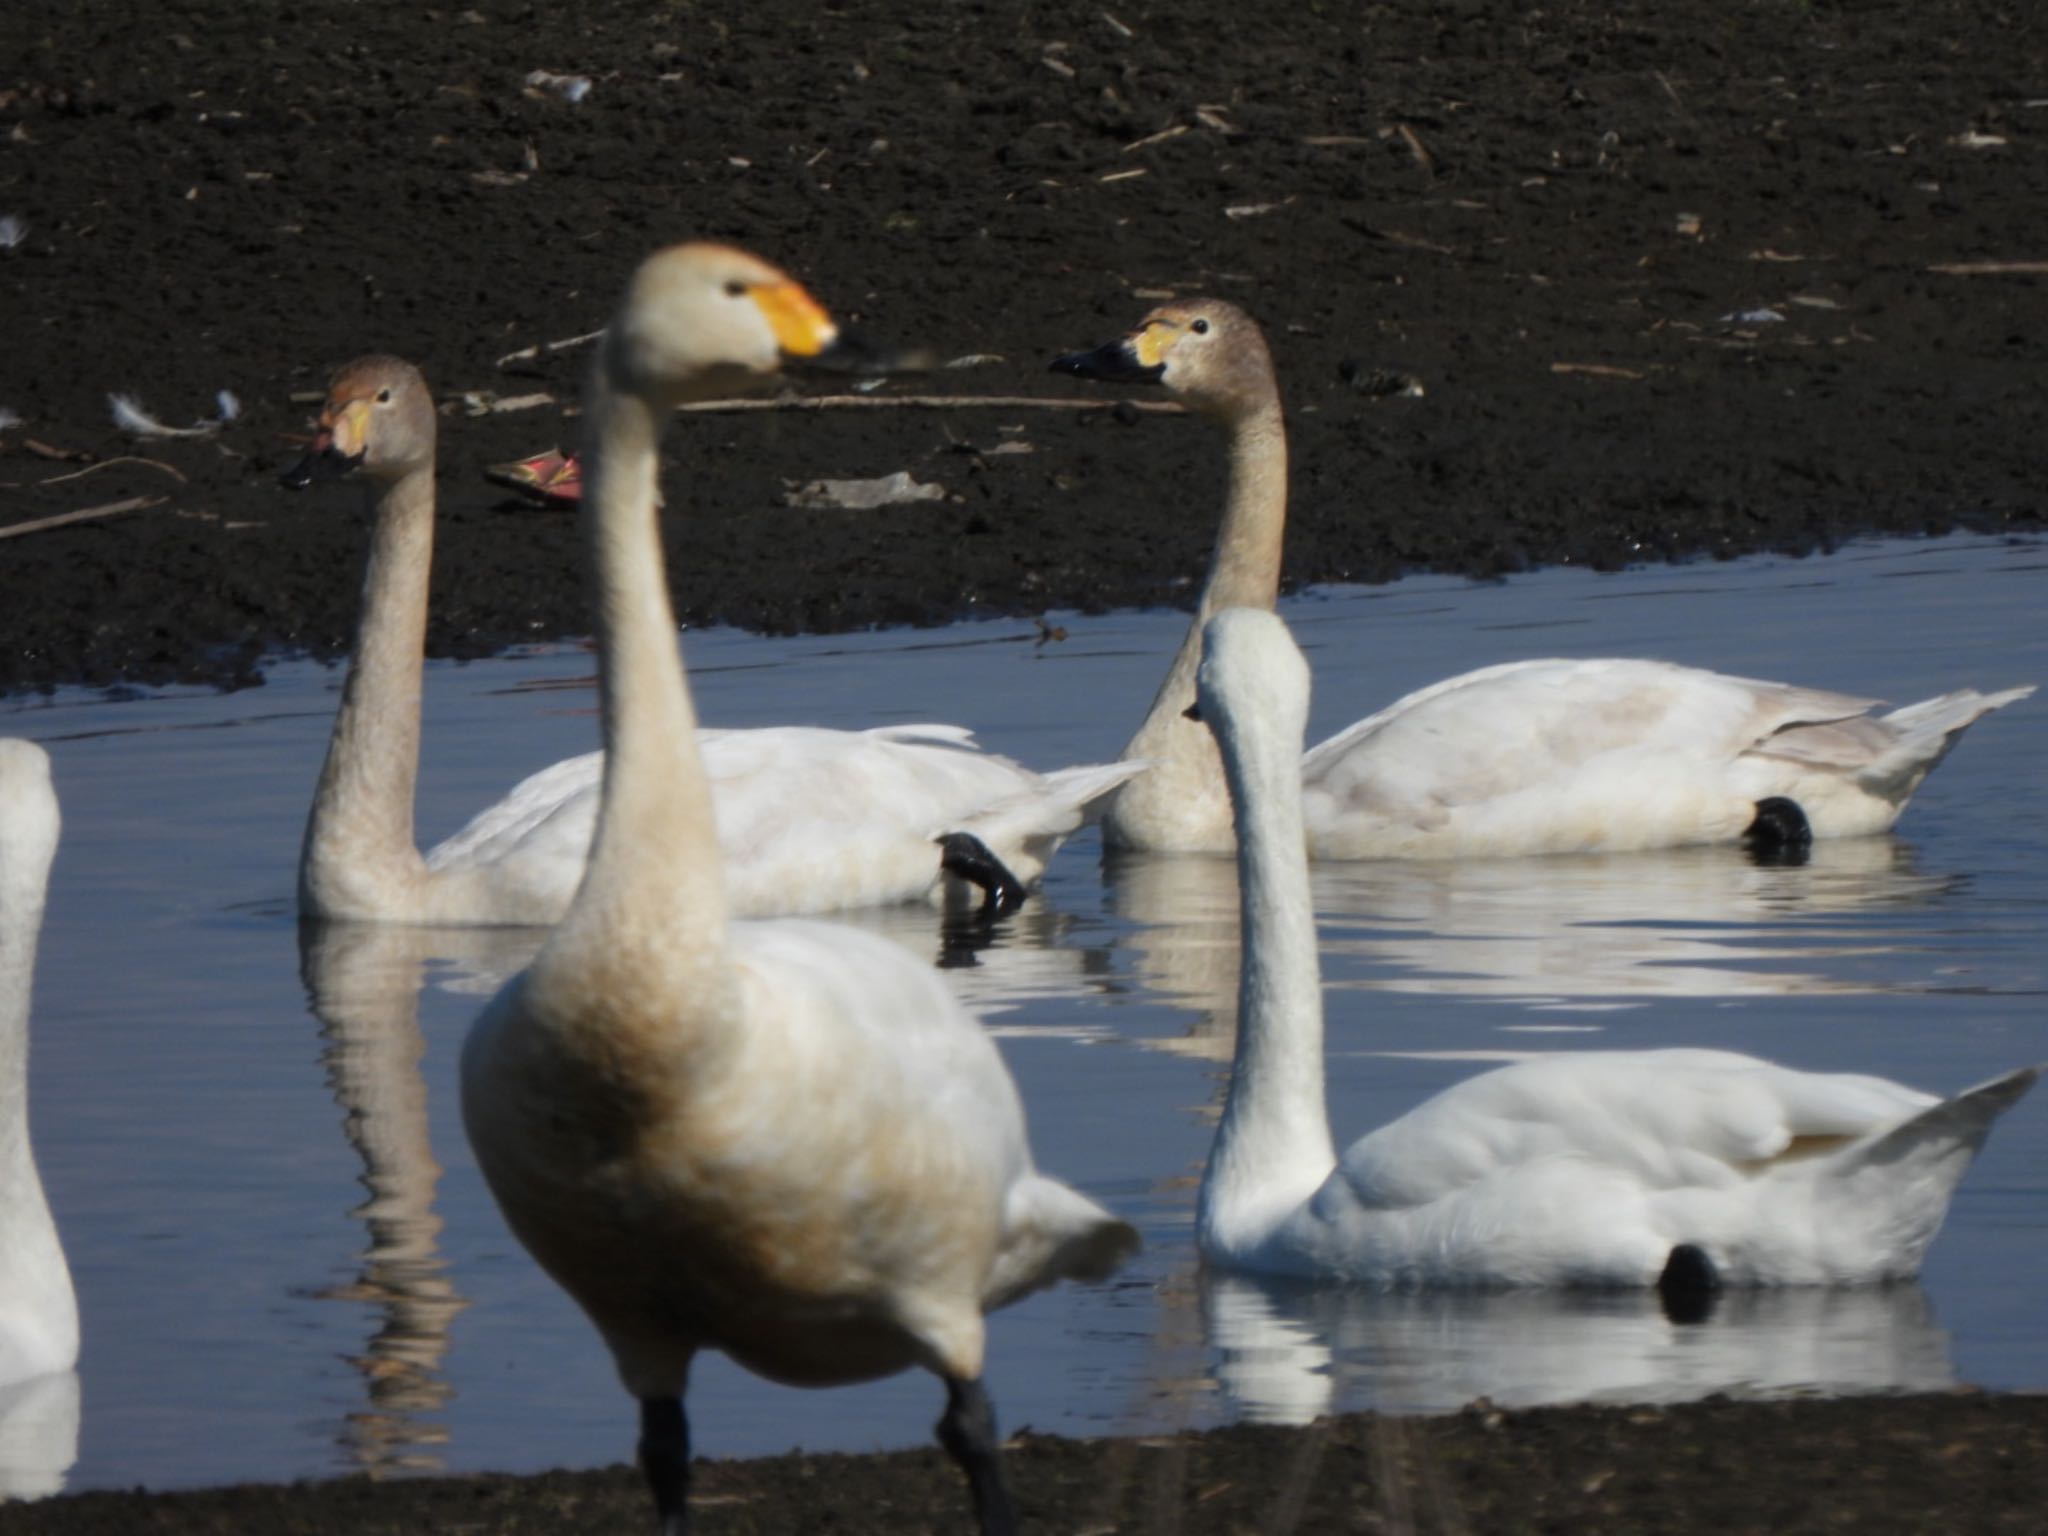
(38, 1308)
(810, 820)
(1530, 757)
(1687, 1170)
(781, 1139)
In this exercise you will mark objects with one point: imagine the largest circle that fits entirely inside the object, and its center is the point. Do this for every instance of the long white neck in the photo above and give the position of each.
(38, 1313)
(1178, 805)
(1273, 1146)
(359, 859)
(652, 903)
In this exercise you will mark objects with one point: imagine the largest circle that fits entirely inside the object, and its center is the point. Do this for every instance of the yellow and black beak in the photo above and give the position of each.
(1123, 361)
(337, 447)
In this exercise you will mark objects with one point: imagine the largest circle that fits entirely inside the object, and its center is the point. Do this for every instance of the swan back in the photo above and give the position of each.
(38, 1310)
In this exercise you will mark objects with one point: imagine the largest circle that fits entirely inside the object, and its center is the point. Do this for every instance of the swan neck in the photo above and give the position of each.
(654, 880)
(1273, 1147)
(1178, 804)
(24, 1213)
(359, 858)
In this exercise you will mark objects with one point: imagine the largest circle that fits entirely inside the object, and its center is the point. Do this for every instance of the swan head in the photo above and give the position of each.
(378, 417)
(1253, 684)
(700, 319)
(1207, 352)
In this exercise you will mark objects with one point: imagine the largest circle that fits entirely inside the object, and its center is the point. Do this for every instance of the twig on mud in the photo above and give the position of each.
(1991, 268)
(1156, 138)
(482, 402)
(1416, 148)
(61, 455)
(37, 525)
(126, 458)
(930, 402)
(541, 348)
(1597, 370)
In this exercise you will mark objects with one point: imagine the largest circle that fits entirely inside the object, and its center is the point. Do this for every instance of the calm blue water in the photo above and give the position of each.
(289, 1267)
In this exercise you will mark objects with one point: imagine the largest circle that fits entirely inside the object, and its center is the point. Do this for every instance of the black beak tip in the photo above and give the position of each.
(318, 464)
(864, 355)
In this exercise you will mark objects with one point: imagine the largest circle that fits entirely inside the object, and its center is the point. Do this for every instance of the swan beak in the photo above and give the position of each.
(1123, 361)
(801, 326)
(336, 448)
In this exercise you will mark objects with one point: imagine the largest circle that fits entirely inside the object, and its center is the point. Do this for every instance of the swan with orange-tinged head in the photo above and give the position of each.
(1603, 755)
(783, 1140)
(810, 819)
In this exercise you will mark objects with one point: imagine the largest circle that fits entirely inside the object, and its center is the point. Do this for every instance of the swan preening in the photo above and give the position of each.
(809, 820)
(784, 1140)
(1685, 1169)
(1531, 757)
(38, 1309)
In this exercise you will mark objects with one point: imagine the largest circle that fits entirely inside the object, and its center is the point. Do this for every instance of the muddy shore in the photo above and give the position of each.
(1674, 280)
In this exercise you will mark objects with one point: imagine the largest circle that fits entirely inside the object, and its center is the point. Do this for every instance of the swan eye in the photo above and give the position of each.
(383, 397)
(735, 289)
(1199, 327)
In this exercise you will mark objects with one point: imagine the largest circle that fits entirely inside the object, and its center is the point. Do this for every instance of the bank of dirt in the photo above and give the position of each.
(1675, 280)
(1959, 1465)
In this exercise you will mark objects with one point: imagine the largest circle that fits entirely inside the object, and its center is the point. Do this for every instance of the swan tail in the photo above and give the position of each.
(1056, 1233)
(1923, 734)
(1909, 1172)
(1034, 820)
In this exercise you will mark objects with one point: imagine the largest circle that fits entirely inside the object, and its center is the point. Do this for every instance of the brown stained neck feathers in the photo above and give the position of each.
(359, 859)
(653, 895)
(1186, 779)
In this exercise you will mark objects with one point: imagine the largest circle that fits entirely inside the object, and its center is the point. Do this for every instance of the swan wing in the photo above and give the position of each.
(1661, 1120)
(900, 1074)
(809, 819)
(1500, 729)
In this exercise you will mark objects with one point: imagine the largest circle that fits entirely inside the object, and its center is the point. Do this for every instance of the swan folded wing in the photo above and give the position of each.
(1662, 1119)
(1507, 728)
(922, 1102)
(497, 830)
(1892, 751)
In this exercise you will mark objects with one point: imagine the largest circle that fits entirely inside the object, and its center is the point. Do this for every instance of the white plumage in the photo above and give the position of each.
(1574, 1169)
(810, 820)
(38, 1308)
(785, 1140)
(1529, 757)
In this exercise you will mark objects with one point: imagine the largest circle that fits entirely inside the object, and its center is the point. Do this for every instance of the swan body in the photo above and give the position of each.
(1532, 757)
(811, 820)
(38, 1308)
(781, 1139)
(1586, 1168)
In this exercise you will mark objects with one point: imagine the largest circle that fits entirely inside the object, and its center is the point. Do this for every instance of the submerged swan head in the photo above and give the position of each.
(701, 318)
(1208, 352)
(379, 418)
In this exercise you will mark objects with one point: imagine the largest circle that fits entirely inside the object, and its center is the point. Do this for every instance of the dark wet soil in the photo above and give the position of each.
(1684, 278)
(1914, 1466)
(1676, 279)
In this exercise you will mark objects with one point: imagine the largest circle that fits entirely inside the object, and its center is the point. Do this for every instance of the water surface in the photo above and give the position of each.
(288, 1265)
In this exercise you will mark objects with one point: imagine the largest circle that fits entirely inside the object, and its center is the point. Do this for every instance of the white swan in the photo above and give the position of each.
(784, 1140)
(1686, 1169)
(810, 820)
(1553, 756)
(38, 1308)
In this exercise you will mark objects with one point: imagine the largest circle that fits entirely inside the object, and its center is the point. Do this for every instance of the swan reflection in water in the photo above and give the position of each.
(1619, 928)
(38, 1434)
(363, 983)
(1287, 1352)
